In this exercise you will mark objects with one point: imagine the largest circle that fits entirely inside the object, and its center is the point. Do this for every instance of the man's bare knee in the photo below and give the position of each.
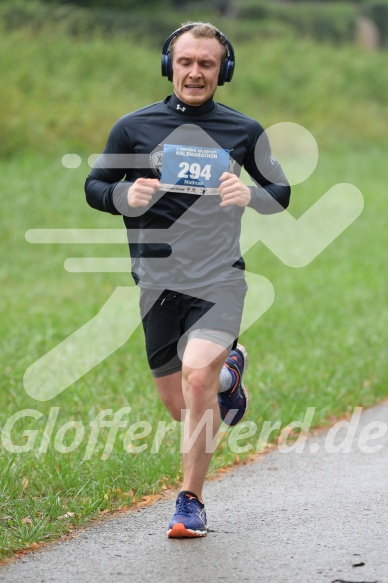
(196, 380)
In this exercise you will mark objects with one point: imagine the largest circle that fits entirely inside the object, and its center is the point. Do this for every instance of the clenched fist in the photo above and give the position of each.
(142, 191)
(233, 190)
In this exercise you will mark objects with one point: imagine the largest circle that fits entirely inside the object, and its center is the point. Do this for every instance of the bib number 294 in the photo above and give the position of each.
(194, 171)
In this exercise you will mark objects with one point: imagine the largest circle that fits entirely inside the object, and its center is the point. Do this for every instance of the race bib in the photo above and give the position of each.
(192, 169)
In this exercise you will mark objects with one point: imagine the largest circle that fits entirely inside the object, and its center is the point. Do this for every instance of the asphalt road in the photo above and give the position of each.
(317, 516)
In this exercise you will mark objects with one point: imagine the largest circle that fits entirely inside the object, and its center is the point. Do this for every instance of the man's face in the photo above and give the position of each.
(196, 64)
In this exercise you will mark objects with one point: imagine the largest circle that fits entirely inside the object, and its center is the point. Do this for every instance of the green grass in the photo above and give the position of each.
(67, 98)
(323, 342)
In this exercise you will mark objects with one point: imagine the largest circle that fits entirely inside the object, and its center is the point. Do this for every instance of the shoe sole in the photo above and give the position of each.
(180, 531)
(241, 348)
(246, 393)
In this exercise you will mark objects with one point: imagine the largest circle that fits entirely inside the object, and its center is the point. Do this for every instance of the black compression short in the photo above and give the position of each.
(170, 315)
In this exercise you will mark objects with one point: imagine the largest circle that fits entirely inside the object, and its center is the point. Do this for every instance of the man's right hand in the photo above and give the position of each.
(142, 191)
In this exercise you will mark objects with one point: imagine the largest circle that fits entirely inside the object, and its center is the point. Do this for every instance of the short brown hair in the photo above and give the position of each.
(200, 30)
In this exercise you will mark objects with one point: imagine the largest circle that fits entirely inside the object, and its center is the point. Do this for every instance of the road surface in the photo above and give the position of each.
(316, 516)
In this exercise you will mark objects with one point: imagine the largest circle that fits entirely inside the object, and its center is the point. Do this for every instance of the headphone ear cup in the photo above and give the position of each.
(221, 75)
(164, 63)
(169, 66)
(228, 71)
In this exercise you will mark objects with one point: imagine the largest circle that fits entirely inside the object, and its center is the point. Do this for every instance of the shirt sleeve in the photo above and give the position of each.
(271, 193)
(105, 188)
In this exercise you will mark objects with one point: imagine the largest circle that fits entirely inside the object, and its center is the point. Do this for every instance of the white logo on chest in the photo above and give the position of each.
(180, 107)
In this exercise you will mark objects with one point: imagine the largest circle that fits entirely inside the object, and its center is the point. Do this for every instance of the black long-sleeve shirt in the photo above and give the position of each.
(183, 240)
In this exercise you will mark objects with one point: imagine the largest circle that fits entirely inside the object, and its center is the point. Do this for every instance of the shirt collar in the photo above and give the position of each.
(186, 110)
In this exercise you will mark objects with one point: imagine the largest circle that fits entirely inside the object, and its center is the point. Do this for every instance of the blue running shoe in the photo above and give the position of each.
(236, 398)
(189, 520)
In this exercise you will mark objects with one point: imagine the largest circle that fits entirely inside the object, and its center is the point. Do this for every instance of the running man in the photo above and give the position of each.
(185, 187)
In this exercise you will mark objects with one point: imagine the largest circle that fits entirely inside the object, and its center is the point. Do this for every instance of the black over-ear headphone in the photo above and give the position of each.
(227, 65)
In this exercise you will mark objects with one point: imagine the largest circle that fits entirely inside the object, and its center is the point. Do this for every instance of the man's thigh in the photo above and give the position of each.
(204, 354)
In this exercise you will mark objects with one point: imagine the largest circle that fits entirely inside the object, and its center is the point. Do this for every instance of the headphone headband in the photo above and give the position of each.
(227, 64)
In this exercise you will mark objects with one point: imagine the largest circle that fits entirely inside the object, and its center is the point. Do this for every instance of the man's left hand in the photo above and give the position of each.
(233, 190)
